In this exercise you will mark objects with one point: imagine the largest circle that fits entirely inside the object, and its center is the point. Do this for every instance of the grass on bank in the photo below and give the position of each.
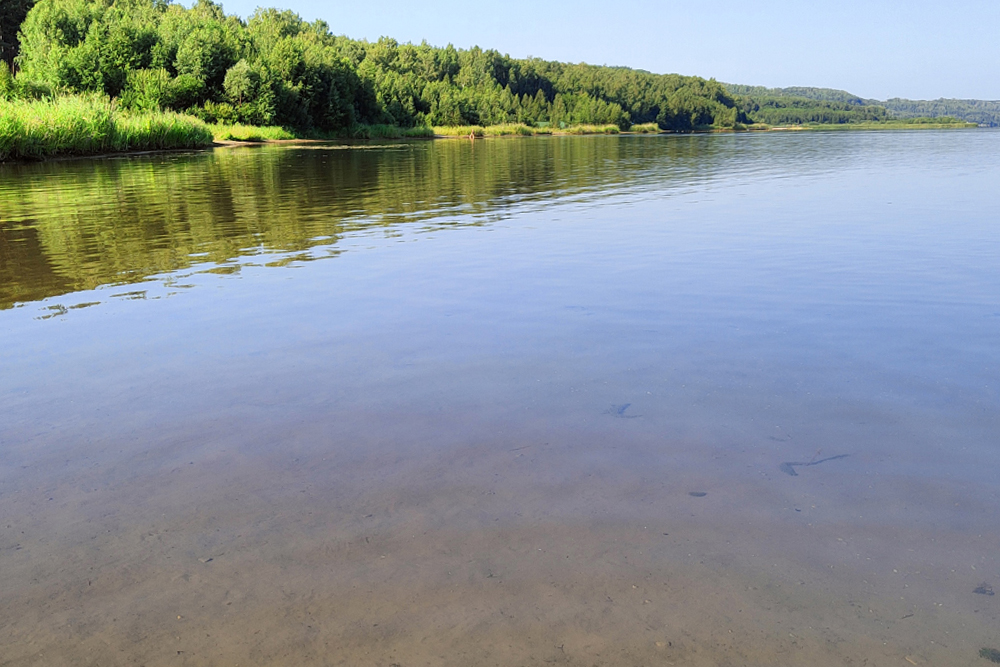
(591, 129)
(389, 132)
(514, 130)
(519, 129)
(644, 128)
(94, 124)
(937, 123)
(239, 132)
(508, 130)
(250, 133)
(90, 125)
(942, 123)
(458, 130)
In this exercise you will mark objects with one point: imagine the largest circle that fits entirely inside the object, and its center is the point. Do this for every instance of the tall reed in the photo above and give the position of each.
(508, 130)
(89, 125)
(388, 132)
(240, 132)
(645, 128)
(459, 130)
(520, 129)
(591, 129)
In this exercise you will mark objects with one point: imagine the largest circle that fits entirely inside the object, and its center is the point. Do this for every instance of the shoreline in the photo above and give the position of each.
(348, 141)
(489, 132)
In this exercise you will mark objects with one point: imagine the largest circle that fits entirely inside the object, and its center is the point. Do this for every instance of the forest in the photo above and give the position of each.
(93, 76)
(277, 69)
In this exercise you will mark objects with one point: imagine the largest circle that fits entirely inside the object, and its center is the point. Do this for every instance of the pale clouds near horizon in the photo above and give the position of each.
(875, 49)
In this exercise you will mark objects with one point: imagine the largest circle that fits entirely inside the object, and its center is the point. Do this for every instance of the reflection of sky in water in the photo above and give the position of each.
(755, 301)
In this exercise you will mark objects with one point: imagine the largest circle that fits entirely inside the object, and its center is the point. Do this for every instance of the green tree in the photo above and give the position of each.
(241, 83)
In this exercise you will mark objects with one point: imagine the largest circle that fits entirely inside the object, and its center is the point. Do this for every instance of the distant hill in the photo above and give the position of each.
(984, 112)
(804, 92)
(800, 105)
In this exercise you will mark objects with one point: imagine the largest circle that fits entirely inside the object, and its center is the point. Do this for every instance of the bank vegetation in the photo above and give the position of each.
(176, 70)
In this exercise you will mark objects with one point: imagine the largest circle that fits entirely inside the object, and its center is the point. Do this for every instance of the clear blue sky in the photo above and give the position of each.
(918, 49)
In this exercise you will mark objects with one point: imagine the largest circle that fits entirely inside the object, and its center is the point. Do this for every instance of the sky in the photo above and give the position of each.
(876, 49)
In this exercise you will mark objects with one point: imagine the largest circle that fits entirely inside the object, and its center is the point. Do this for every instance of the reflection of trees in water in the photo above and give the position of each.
(68, 226)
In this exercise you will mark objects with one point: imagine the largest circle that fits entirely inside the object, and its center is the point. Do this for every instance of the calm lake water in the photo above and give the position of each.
(693, 400)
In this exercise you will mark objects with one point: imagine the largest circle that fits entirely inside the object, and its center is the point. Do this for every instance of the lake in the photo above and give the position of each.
(634, 400)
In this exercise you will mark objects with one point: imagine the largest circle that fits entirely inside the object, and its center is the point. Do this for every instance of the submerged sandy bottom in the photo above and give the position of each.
(396, 545)
(471, 436)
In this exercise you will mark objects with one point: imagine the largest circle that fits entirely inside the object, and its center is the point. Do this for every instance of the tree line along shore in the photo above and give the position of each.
(97, 76)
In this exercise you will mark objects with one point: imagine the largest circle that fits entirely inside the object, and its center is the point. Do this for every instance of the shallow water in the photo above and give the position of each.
(509, 402)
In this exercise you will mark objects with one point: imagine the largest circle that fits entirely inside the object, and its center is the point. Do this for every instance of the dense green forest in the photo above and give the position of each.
(276, 68)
